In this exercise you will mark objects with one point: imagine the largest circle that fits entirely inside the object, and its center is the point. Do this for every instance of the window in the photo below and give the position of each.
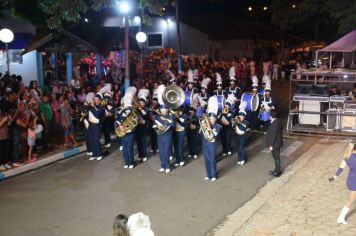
(155, 40)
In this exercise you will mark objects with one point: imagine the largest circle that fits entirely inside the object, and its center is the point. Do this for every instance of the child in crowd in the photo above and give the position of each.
(66, 116)
(31, 139)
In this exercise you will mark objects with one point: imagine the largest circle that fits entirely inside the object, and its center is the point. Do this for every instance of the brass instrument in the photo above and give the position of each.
(161, 129)
(237, 129)
(173, 96)
(206, 129)
(127, 125)
(225, 110)
(84, 114)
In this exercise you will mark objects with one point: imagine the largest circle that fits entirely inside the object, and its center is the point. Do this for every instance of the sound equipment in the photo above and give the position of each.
(350, 105)
(309, 119)
(333, 119)
(299, 98)
(252, 101)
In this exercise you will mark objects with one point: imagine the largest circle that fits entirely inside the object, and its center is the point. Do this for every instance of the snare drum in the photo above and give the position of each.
(252, 101)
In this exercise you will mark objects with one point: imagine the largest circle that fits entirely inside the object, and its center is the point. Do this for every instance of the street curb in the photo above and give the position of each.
(46, 161)
(234, 221)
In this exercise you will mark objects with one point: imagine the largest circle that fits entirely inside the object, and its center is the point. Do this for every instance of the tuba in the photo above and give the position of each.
(127, 125)
(173, 96)
(206, 129)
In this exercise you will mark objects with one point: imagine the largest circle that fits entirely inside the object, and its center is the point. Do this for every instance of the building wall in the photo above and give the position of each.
(227, 49)
(28, 70)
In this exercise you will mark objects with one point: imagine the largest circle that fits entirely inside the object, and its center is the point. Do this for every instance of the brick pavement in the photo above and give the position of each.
(301, 202)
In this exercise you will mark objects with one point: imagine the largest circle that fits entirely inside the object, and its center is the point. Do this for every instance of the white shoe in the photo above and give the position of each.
(131, 166)
(176, 164)
(224, 154)
(92, 158)
(108, 145)
(206, 178)
(120, 148)
(144, 159)
(239, 163)
(2, 168)
(181, 163)
(126, 166)
(161, 170)
(341, 222)
(170, 158)
(168, 170)
(195, 156)
(213, 179)
(8, 166)
(99, 158)
(90, 153)
(189, 155)
(242, 163)
(229, 153)
(151, 151)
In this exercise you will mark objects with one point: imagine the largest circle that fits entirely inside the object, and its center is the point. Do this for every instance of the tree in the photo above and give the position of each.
(343, 11)
(56, 13)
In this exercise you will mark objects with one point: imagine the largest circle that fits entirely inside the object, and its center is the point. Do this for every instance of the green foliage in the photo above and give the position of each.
(344, 12)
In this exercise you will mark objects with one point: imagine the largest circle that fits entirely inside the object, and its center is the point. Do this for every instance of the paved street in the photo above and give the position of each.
(301, 202)
(81, 197)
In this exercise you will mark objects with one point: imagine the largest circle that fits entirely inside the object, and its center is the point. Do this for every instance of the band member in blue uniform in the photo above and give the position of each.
(233, 89)
(209, 142)
(109, 119)
(96, 115)
(219, 91)
(253, 115)
(179, 136)
(193, 133)
(240, 125)
(204, 94)
(226, 132)
(164, 125)
(267, 104)
(143, 122)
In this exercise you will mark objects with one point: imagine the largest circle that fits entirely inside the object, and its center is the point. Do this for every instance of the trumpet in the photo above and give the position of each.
(237, 129)
(225, 110)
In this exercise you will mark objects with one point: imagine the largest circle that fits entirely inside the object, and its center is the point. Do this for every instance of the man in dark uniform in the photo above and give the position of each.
(179, 135)
(226, 131)
(153, 111)
(108, 123)
(240, 126)
(142, 127)
(193, 133)
(274, 141)
(96, 115)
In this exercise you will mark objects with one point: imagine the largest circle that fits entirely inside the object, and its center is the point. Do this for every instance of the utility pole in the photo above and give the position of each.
(179, 50)
(127, 52)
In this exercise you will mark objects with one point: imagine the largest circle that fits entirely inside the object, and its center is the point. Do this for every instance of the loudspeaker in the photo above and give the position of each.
(333, 119)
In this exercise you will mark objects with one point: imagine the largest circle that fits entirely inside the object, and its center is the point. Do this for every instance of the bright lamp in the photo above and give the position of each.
(141, 37)
(6, 35)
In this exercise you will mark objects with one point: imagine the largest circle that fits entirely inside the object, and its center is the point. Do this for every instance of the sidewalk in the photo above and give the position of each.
(301, 202)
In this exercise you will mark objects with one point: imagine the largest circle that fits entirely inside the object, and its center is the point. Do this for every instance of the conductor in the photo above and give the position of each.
(274, 141)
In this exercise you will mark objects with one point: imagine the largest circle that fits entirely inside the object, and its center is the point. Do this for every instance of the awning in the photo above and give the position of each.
(345, 44)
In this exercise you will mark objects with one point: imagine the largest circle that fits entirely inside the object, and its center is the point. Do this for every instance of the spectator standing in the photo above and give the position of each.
(274, 140)
(66, 118)
(31, 138)
(47, 116)
(5, 144)
(57, 124)
(275, 71)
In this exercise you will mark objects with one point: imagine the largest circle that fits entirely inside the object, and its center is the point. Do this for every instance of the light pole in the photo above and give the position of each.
(6, 36)
(125, 9)
(141, 37)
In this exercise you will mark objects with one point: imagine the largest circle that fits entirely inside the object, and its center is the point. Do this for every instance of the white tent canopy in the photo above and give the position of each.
(345, 44)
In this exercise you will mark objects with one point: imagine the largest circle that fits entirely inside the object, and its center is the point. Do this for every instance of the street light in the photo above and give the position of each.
(125, 8)
(265, 8)
(6, 36)
(141, 37)
(249, 8)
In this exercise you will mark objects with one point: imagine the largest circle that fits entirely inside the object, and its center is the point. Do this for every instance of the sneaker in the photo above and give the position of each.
(8, 166)
(224, 154)
(242, 163)
(126, 166)
(151, 151)
(181, 163)
(108, 145)
(168, 170)
(238, 163)
(189, 155)
(92, 158)
(213, 179)
(18, 164)
(88, 153)
(144, 159)
(170, 158)
(176, 164)
(131, 166)
(161, 170)
(229, 153)
(206, 178)
(120, 148)
(195, 156)
(99, 158)
(2, 168)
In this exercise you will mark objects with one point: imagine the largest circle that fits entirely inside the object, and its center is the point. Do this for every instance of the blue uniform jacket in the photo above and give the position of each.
(96, 114)
(169, 122)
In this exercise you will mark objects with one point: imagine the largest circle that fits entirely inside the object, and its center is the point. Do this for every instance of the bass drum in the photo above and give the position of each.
(265, 116)
(252, 101)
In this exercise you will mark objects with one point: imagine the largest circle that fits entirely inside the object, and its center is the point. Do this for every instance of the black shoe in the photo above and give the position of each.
(275, 174)
(271, 171)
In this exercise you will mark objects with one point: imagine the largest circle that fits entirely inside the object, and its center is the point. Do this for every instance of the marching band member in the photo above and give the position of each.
(108, 123)
(240, 126)
(226, 132)
(196, 80)
(233, 89)
(164, 123)
(85, 119)
(190, 87)
(179, 135)
(219, 91)
(172, 77)
(128, 136)
(210, 131)
(193, 133)
(143, 121)
(252, 116)
(204, 95)
(267, 105)
(96, 114)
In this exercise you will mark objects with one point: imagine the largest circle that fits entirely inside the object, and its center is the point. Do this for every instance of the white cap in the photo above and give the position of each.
(213, 105)
(254, 80)
(173, 78)
(195, 73)
(143, 94)
(205, 83)
(190, 75)
(232, 73)
(218, 78)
